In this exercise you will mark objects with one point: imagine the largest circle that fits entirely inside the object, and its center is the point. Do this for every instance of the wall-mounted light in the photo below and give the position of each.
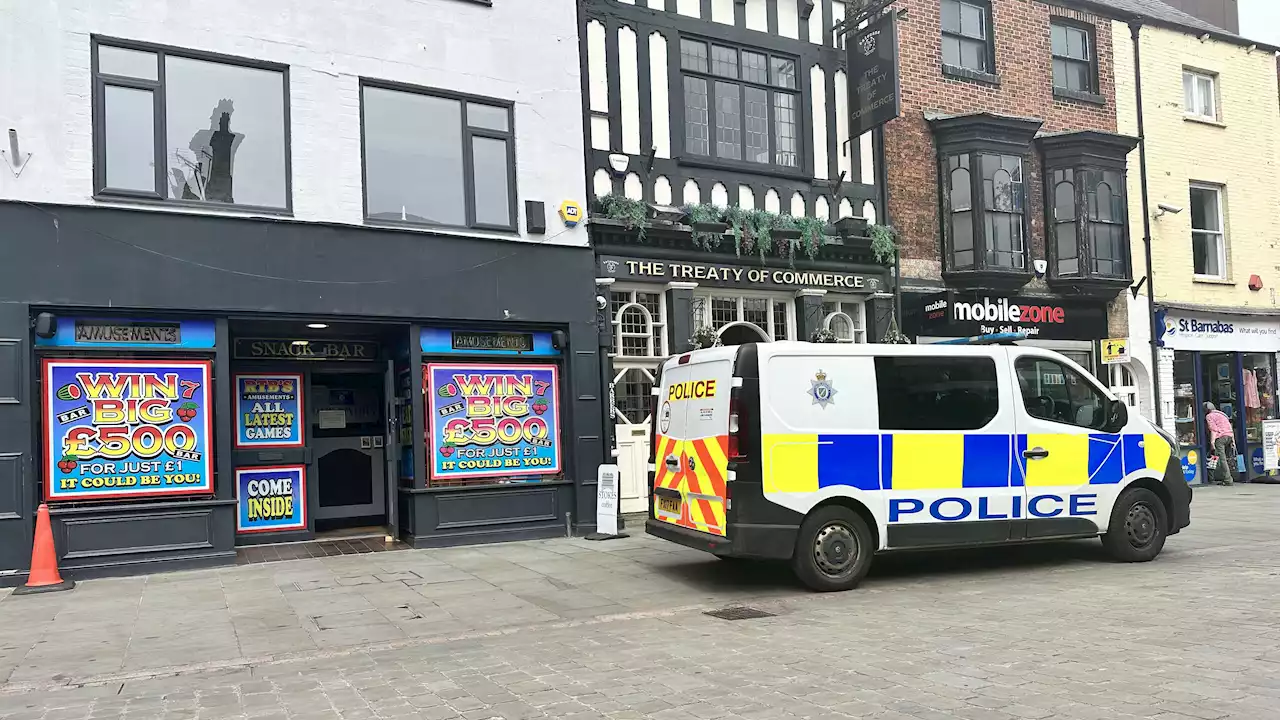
(806, 9)
(619, 162)
(317, 326)
(301, 343)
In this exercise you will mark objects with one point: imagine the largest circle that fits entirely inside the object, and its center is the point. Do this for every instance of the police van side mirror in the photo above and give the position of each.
(1117, 416)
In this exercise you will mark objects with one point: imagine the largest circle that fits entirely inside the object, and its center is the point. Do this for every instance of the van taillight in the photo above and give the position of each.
(735, 424)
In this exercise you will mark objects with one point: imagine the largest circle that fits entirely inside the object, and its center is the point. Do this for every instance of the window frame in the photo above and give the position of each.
(1082, 181)
(852, 310)
(1091, 36)
(160, 127)
(984, 362)
(468, 155)
(1197, 75)
(680, 111)
(1219, 195)
(1067, 373)
(989, 54)
(978, 211)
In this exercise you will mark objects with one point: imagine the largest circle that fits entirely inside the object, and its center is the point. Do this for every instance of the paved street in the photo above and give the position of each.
(573, 629)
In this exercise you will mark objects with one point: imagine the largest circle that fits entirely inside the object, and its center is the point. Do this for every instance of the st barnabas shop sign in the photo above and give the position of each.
(127, 428)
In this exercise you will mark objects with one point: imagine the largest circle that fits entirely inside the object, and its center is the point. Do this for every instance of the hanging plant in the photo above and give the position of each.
(884, 243)
(822, 335)
(812, 236)
(708, 226)
(705, 337)
(634, 213)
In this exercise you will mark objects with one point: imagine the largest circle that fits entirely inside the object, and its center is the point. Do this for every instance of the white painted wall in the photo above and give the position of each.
(522, 51)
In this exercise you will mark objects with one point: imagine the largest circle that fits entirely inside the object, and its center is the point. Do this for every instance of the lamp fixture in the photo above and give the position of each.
(317, 326)
(619, 162)
(301, 343)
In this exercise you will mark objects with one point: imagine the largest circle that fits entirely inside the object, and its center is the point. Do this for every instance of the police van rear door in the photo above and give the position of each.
(691, 441)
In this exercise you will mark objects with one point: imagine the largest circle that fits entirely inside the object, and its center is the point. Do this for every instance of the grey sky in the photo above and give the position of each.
(1260, 20)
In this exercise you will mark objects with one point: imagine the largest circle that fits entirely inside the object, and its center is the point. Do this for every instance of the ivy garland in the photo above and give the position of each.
(754, 231)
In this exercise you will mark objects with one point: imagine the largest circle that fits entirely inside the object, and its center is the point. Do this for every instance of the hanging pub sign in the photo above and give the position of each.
(271, 499)
(492, 420)
(874, 91)
(303, 349)
(126, 428)
(269, 410)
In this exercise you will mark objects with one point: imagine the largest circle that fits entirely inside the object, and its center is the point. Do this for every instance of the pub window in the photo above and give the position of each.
(966, 35)
(740, 104)
(438, 158)
(1074, 63)
(845, 320)
(189, 127)
(639, 323)
(986, 201)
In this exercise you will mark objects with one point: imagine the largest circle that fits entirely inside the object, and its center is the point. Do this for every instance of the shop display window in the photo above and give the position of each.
(1258, 381)
(1184, 398)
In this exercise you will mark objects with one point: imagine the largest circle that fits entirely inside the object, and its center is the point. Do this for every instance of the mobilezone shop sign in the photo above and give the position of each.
(1050, 318)
(1196, 331)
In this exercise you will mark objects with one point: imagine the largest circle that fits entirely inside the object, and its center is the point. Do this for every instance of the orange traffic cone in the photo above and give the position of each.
(44, 575)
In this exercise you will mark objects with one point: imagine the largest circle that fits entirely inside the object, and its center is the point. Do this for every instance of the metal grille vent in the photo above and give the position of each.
(738, 613)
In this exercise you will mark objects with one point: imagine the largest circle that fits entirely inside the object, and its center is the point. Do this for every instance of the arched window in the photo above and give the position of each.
(845, 319)
(639, 323)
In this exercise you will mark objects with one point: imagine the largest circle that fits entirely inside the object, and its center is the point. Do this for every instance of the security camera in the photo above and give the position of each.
(1165, 208)
(601, 302)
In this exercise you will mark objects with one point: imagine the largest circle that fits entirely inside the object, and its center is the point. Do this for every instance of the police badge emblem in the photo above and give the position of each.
(821, 391)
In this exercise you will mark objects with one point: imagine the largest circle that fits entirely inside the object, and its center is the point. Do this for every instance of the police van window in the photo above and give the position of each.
(1052, 391)
(936, 393)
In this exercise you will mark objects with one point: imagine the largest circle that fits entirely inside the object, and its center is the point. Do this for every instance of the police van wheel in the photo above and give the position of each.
(1138, 528)
(833, 550)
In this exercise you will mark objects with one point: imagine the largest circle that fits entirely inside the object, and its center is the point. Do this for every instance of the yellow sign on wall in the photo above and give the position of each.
(1115, 350)
(570, 213)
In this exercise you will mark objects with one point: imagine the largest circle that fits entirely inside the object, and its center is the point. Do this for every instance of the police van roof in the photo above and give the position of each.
(1004, 338)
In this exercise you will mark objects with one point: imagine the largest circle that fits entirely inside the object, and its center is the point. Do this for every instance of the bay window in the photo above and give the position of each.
(1086, 208)
(984, 165)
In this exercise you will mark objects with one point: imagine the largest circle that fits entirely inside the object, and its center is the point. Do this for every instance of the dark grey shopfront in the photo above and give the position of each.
(353, 316)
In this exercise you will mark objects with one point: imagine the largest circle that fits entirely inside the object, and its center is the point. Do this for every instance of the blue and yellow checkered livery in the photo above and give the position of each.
(801, 463)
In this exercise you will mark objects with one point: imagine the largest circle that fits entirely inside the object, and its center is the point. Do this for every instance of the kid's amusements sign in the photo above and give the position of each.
(492, 420)
(127, 428)
(269, 411)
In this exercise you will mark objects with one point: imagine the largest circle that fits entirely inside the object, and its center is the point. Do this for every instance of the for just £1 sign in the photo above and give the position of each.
(126, 428)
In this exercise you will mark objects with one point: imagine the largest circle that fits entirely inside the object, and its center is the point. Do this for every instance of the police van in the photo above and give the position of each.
(825, 454)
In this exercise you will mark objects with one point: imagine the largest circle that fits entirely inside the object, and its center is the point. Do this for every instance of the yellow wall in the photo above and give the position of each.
(1241, 153)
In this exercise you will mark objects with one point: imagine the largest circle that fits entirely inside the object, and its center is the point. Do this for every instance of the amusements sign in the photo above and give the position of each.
(271, 499)
(269, 411)
(490, 420)
(127, 428)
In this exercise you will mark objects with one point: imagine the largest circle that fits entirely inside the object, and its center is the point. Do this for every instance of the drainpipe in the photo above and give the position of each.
(1135, 28)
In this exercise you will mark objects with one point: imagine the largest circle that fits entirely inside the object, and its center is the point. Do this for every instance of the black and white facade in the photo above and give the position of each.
(316, 217)
(738, 103)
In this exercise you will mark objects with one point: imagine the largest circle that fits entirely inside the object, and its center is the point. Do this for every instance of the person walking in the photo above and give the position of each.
(1222, 438)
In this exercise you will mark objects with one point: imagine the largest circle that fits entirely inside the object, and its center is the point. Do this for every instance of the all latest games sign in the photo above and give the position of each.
(269, 410)
(127, 428)
(492, 420)
(271, 499)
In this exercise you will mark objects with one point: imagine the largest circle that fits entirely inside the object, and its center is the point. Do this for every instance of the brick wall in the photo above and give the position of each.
(1024, 66)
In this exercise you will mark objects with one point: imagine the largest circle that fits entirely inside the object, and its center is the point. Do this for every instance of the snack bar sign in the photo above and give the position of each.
(127, 428)
(490, 420)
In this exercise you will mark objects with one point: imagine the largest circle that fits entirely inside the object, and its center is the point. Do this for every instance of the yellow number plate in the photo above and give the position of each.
(669, 505)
